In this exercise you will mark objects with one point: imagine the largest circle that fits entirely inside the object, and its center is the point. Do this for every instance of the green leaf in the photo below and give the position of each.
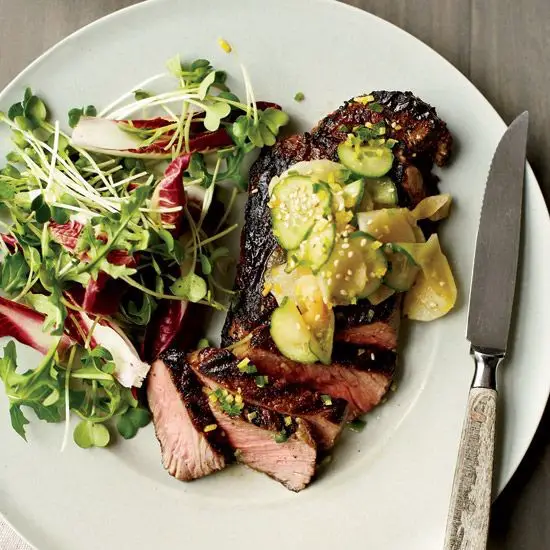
(267, 137)
(214, 112)
(192, 287)
(274, 119)
(11, 171)
(240, 127)
(206, 266)
(35, 110)
(254, 136)
(90, 110)
(174, 66)
(60, 215)
(14, 271)
(166, 236)
(74, 116)
(141, 94)
(18, 420)
(126, 428)
(205, 85)
(221, 252)
(230, 96)
(91, 434)
(139, 416)
(16, 110)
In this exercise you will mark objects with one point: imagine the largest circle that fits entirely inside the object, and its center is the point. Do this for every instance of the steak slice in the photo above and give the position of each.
(281, 447)
(423, 139)
(361, 376)
(218, 368)
(180, 415)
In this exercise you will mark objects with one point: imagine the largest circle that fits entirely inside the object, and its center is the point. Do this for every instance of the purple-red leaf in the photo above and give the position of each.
(164, 328)
(170, 193)
(25, 325)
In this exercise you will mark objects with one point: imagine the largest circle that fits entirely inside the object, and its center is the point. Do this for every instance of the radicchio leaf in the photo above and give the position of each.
(170, 193)
(164, 328)
(10, 241)
(107, 136)
(25, 325)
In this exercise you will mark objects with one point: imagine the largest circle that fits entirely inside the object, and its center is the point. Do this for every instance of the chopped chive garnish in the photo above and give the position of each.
(357, 425)
(288, 420)
(326, 399)
(210, 428)
(299, 97)
(251, 416)
(376, 107)
(280, 437)
(261, 381)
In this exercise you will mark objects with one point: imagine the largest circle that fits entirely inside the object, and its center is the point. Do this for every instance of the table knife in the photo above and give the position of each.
(489, 316)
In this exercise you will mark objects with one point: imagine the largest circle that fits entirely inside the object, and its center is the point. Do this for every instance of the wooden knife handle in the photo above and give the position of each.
(468, 519)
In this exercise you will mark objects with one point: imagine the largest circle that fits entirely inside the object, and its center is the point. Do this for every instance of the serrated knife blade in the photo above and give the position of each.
(490, 312)
(497, 246)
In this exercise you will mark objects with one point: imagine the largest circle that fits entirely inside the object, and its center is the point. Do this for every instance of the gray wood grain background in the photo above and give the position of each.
(503, 46)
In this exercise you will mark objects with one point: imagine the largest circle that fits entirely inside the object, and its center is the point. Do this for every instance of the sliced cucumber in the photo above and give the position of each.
(366, 160)
(383, 293)
(291, 334)
(353, 194)
(314, 251)
(295, 206)
(402, 269)
(388, 225)
(367, 203)
(354, 269)
(383, 191)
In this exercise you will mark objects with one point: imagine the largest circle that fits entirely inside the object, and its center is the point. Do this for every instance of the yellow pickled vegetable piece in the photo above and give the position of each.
(433, 208)
(434, 291)
(388, 225)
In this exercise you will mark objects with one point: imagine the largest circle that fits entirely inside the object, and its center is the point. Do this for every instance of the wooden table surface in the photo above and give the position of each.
(503, 46)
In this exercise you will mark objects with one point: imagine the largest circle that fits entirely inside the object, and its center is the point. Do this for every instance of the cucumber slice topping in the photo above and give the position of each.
(366, 160)
(296, 204)
(354, 269)
(316, 249)
(402, 269)
(383, 191)
(353, 194)
(291, 334)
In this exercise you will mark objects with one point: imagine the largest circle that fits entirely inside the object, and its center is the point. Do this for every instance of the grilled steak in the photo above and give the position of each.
(281, 447)
(218, 368)
(361, 376)
(180, 414)
(423, 139)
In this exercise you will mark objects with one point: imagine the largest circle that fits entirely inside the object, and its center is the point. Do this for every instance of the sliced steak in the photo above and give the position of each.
(423, 139)
(360, 375)
(218, 368)
(281, 447)
(181, 414)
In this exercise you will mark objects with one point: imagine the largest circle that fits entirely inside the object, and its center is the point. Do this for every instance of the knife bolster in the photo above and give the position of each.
(486, 361)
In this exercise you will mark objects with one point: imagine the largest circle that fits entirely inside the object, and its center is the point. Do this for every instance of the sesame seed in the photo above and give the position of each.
(363, 242)
(349, 272)
(433, 305)
(350, 254)
(344, 292)
(340, 253)
(298, 326)
(254, 191)
(345, 245)
(336, 262)
(329, 282)
(346, 278)
(372, 357)
(441, 283)
(318, 317)
(338, 276)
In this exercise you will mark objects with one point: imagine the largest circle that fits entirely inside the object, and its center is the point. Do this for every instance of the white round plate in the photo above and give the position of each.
(387, 487)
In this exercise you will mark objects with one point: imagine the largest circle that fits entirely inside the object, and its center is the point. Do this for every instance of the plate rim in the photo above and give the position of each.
(529, 173)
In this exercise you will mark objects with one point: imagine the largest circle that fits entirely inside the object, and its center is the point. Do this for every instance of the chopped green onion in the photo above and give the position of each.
(326, 399)
(299, 96)
(261, 381)
(280, 437)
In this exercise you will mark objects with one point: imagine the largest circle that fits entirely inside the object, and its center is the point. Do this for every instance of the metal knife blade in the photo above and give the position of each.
(497, 245)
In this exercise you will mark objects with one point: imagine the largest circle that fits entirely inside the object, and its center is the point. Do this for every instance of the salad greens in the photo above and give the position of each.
(111, 232)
